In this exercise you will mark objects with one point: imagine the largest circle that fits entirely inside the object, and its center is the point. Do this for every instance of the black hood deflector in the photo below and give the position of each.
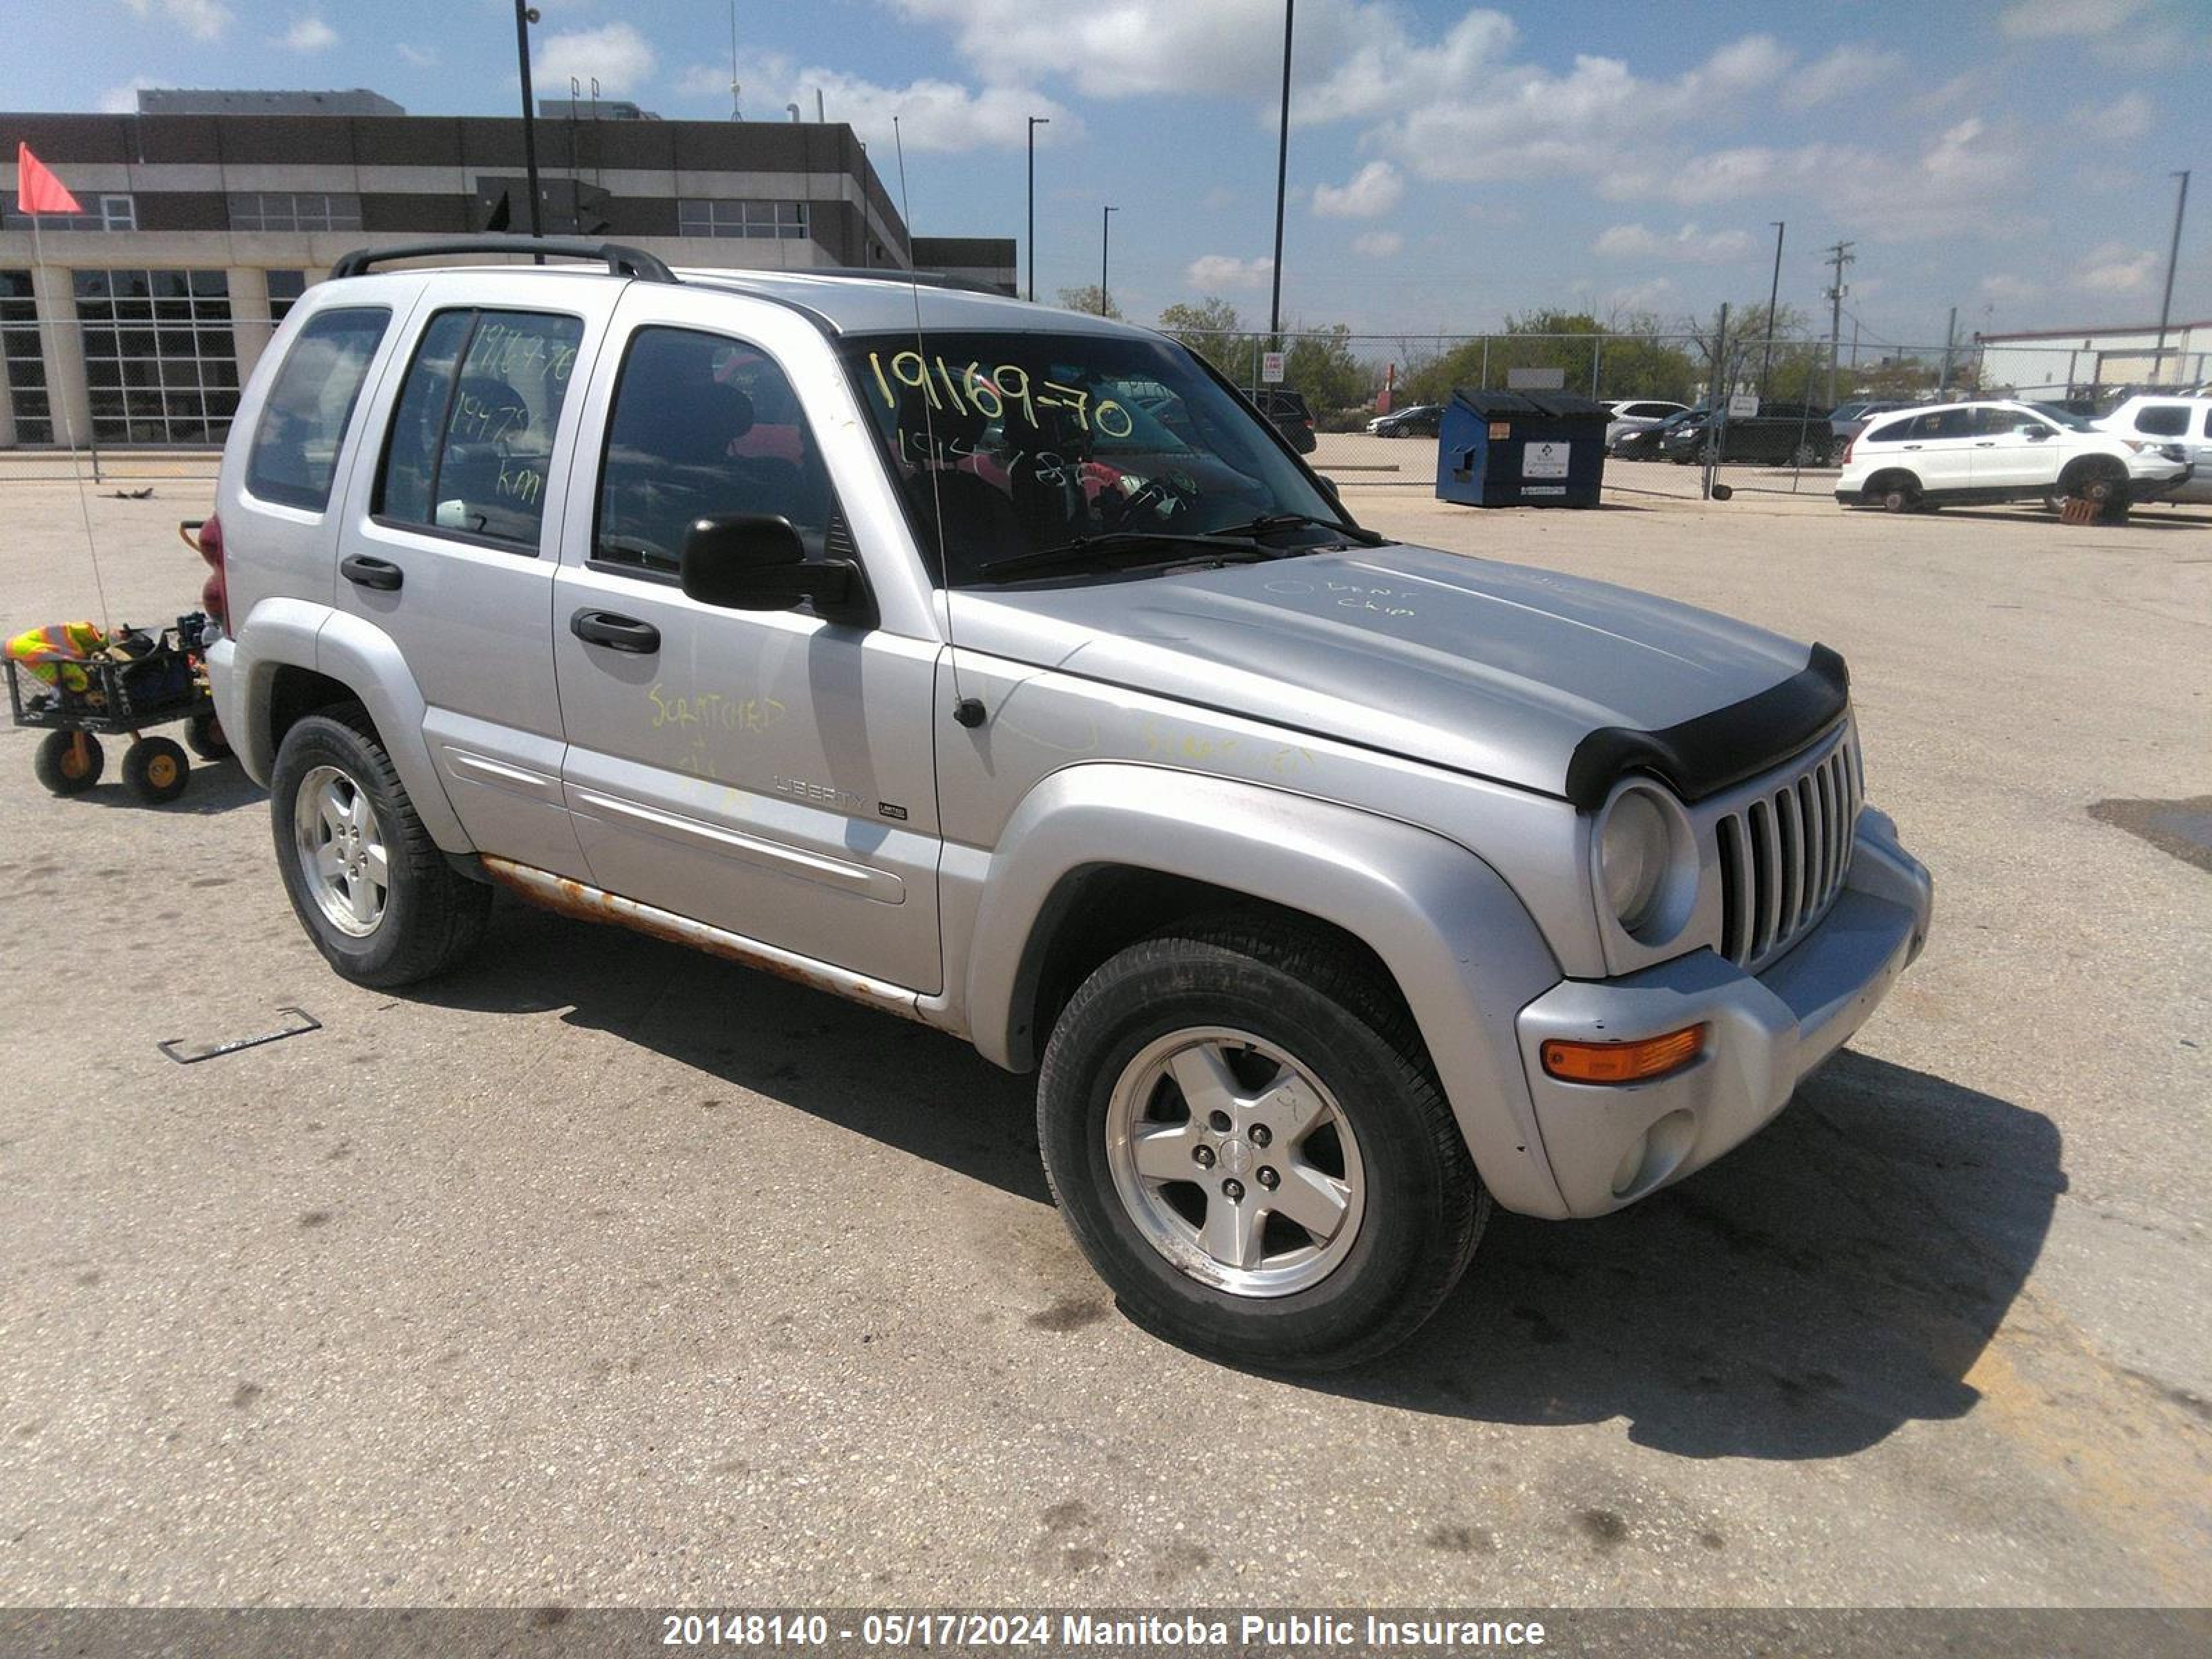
(1712, 752)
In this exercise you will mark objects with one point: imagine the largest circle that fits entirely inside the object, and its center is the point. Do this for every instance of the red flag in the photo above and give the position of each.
(37, 189)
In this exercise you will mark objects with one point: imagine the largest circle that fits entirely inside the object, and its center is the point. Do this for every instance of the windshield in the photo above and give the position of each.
(2063, 417)
(1027, 442)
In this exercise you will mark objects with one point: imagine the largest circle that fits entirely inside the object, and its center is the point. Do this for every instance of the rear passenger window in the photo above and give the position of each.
(472, 443)
(296, 447)
(2163, 420)
(703, 427)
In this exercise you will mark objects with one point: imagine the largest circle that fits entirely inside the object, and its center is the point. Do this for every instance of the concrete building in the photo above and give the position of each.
(207, 214)
(2060, 363)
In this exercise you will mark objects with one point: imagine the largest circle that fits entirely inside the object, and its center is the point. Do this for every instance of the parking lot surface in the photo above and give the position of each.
(602, 1272)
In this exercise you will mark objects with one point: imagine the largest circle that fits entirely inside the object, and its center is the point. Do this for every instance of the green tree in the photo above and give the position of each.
(1213, 329)
(1627, 362)
(1320, 365)
(1091, 298)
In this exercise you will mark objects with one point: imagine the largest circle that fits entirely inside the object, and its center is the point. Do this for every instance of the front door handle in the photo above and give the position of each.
(1913, 445)
(364, 572)
(1986, 443)
(616, 632)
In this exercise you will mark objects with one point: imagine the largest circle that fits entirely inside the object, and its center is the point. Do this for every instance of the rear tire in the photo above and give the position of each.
(64, 767)
(368, 883)
(1283, 1020)
(1900, 492)
(1811, 453)
(204, 733)
(156, 770)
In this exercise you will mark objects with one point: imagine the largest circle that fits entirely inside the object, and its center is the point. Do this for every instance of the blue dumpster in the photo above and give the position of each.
(1520, 449)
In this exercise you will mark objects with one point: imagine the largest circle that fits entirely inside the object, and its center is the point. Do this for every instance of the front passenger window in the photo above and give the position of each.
(703, 427)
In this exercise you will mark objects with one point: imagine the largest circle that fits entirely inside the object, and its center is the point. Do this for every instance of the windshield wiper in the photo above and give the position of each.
(1119, 547)
(1267, 523)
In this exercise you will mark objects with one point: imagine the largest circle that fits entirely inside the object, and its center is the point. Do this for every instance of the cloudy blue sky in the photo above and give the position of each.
(1449, 163)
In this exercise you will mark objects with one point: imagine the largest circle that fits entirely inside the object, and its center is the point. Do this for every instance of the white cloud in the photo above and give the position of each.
(1660, 291)
(2128, 117)
(1213, 273)
(1368, 194)
(2053, 20)
(2001, 287)
(617, 54)
(204, 20)
(420, 57)
(123, 100)
(311, 34)
(1846, 69)
(2115, 268)
(1522, 122)
(944, 116)
(1689, 244)
(1379, 245)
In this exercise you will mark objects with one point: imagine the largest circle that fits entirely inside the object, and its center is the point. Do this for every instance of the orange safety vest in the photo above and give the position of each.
(52, 653)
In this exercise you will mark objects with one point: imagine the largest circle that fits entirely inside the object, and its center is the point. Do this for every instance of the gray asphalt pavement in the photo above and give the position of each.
(606, 1273)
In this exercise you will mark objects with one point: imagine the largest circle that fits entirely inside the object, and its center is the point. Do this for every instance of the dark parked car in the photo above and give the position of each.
(1780, 433)
(1643, 443)
(1292, 416)
(1414, 421)
(1849, 420)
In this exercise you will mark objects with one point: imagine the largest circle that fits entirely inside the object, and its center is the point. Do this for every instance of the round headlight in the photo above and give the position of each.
(1633, 855)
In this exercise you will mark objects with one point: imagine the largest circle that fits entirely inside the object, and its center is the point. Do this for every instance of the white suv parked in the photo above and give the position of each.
(2185, 422)
(2001, 451)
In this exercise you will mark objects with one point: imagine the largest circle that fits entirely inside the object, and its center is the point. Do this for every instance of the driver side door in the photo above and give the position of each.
(2014, 452)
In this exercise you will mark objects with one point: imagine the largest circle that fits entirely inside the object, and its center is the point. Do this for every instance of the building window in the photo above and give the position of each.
(26, 365)
(160, 365)
(704, 215)
(294, 209)
(101, 213)
(285, 287)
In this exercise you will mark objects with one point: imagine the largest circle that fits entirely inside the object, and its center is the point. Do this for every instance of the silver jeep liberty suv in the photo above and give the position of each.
(1001, 669)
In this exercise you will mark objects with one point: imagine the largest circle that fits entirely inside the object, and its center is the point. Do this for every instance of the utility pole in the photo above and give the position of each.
(524, 17)
(1840, 255)
(1035, 121)
(2172, 253)
(1950, 344)
(1105, 243)
(1773, 297)
(1717, 422)
(1282, 179)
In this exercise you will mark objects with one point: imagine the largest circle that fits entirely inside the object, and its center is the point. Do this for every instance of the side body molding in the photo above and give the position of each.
(295, 633)
(1459, 944)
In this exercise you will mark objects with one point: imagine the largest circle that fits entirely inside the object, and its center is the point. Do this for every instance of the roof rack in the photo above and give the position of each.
(620, 260)
(885, 274)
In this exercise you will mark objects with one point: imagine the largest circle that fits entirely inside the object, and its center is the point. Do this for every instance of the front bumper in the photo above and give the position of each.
(1609, 1146)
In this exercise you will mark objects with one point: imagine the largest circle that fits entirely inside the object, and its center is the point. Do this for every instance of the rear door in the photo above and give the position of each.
(1937, 448)
(450, 550)
(771, 773)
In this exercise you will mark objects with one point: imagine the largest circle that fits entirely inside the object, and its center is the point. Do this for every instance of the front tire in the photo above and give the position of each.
(1246, 1138)
(365, 880)
(156, 770)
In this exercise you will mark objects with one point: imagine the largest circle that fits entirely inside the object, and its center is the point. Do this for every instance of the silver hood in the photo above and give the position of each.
(1494, 670)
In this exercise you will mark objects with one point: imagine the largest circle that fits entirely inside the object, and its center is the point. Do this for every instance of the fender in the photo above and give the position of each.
(1462, 949)
(299, 634)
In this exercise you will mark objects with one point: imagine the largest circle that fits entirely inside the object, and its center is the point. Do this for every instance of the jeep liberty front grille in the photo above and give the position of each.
(1783, 853)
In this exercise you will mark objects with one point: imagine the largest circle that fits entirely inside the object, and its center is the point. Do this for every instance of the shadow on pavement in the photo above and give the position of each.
(1829, 1281)
(214, 787)
(896, 1082)
(1832, 1279)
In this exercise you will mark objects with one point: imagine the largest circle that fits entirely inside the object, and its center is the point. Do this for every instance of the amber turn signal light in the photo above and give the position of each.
(1623, 1062)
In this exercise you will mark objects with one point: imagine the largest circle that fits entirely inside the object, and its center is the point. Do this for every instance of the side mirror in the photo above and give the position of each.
(754, 561)
(1328, 488)
(2033, 433)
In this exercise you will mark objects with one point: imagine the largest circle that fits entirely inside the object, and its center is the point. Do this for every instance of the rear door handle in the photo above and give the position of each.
(1986, 443)
(616, 632)
(364, 572)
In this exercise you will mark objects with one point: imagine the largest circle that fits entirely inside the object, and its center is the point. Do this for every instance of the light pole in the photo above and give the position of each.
(2172, 253)
(1035, 121)
(1105, 242)
(1282, 175)
(1773, 297)
(524, 17)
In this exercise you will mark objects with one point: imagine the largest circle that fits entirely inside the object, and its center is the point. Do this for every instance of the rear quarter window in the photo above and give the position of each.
(311, 403)
(2163, 420)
